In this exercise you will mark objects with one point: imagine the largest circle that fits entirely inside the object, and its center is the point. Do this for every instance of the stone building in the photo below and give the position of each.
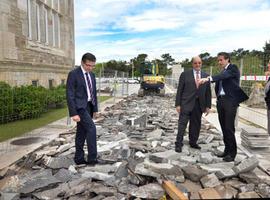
(36, 41)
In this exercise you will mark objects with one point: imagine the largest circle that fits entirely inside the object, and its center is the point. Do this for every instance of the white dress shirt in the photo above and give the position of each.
(87, 86)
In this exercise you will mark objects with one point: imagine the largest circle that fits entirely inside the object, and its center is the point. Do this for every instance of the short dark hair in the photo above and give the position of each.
(225, 55)
(88, 56)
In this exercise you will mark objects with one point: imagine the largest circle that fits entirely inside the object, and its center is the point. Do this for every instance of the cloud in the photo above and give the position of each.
(121, 29)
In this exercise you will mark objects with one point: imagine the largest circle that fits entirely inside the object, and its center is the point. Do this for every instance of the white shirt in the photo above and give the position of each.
(87, 87)
(222, 92)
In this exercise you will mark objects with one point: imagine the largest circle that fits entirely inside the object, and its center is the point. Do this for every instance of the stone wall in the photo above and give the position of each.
(31, 46)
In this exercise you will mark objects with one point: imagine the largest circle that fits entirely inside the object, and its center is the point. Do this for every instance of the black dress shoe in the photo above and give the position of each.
(96, 161)
(221, 155)
(178, 149)
(195, 146)
(83, 162)
(228, 158)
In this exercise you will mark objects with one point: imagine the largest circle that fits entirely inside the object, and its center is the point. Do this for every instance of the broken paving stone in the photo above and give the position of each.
(97, 175)
(122, 170)
(225, 173)
(72, 169)
(102, 190)
(163, 157)
(149, 191)
(246, 165)
(9, 196)
(155, 135)
(250, 177)
(188, 159)
(140, 169)
(125, 188)
(226, 191)
(215, 167)
(163, 168)
(205, 158)
(264, 190)
(210, 180)
(139, 154)
(37, 180)
(63, 175)
(248, 195)
(247, 187)
(59, 162)
(193, 173)
(209, 193)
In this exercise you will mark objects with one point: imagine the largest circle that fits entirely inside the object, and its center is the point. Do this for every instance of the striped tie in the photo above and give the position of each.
(90, 88)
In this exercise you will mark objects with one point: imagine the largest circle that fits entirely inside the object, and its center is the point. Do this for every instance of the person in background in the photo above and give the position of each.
(191, 101)
(267, 96)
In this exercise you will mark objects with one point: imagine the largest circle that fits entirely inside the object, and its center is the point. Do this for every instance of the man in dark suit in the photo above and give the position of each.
(192, 100)
(82, 105)
(229, 96)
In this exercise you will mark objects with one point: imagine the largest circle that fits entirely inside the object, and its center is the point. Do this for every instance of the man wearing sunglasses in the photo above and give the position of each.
(82, 105)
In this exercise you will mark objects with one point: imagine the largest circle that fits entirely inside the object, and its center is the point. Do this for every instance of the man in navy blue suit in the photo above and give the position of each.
(229, 96)
(82, 105)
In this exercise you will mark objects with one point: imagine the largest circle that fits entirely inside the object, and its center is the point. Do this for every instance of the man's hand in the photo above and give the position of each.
(206, 112)
(95, 115)
(76, 118)
(203, 80)
(178, 109)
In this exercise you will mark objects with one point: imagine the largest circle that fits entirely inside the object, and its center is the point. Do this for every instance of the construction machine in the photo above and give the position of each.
(151, 81)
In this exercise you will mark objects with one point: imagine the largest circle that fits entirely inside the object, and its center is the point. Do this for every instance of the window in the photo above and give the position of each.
(29, 19)
(51, 83)
(37, 22)
(44, 23)
(35, 83)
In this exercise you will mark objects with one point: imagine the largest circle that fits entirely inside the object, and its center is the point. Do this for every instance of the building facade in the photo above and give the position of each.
(36, 41)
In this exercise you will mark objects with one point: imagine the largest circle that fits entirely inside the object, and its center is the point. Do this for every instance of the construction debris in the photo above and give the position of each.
(136, 140)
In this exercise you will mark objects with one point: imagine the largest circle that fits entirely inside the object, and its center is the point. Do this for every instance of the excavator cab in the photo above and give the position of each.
(151, 81)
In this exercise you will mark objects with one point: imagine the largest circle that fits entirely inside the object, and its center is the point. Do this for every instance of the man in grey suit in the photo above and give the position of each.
(192, 99)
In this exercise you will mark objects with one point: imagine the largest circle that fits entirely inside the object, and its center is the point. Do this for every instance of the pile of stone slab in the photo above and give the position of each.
(136, 139)
(252, 137)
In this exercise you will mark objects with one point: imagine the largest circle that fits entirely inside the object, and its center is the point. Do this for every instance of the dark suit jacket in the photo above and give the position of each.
(77, 93)
(187, 92)
(230, 83)
(267, 97)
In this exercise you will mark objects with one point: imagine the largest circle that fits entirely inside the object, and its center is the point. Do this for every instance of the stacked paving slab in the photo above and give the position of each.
(254, 138)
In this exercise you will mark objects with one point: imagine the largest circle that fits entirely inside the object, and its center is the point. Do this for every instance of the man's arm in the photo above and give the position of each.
(70, 93)
(231, 71)
(180, 89)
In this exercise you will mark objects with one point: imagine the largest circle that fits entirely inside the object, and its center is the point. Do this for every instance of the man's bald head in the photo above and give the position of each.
(196, 63)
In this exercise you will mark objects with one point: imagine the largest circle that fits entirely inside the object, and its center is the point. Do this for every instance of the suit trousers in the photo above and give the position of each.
(226, 116)
(194, 119)
(86, 130)
(268, 120)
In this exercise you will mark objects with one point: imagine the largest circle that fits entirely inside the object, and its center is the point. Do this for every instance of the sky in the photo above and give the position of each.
(122, 29)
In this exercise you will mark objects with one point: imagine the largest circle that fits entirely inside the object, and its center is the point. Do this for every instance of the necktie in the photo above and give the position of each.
(90, 88)
(197, 79)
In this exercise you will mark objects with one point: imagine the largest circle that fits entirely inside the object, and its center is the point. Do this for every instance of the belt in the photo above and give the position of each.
(221, 97)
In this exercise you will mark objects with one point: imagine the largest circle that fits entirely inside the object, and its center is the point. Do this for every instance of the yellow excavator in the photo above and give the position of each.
(151, 81)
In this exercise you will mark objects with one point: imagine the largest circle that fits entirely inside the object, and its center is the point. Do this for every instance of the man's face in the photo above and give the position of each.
(222, 61)
(197, 64)
(88, 65)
